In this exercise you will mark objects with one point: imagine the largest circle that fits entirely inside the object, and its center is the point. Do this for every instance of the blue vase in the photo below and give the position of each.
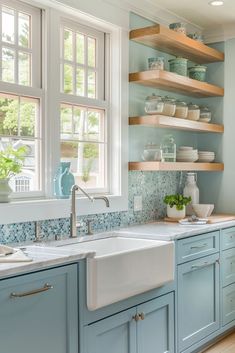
(63, 181)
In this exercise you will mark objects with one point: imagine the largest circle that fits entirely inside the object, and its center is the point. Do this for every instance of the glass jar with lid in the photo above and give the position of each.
(156, 63)
(169, 106)
(154, 104)
(181, 110)
(205, 114)
(152, 152)
(193, 112)
(168, 148)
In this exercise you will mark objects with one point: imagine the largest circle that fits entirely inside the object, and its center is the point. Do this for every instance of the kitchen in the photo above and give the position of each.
(71, 116)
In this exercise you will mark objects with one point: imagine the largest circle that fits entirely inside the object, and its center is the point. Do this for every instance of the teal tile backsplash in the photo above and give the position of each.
(152, 186)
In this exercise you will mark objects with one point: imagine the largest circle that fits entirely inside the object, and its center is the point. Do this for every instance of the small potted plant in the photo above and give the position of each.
(11, 162)
(176, 205)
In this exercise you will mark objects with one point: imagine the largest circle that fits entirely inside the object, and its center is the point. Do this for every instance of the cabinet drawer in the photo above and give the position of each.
(197, 246)
(228, 267)
(228, 304)
(228, 238)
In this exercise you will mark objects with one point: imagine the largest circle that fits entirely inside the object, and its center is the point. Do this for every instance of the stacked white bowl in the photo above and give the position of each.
(186, 154)
(206, 156)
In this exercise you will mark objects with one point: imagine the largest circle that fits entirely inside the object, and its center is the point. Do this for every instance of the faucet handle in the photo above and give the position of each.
(89, 226)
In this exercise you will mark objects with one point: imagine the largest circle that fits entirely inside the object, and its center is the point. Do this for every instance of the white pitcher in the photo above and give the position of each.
(191, 189)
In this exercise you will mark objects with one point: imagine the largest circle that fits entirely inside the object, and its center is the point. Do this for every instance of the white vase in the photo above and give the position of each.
(5, 190)
(172, 212)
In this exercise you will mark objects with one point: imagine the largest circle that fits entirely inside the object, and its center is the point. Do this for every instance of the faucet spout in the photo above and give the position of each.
(106, 200)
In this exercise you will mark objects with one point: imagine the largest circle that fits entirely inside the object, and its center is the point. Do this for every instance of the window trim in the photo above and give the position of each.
(50, 208)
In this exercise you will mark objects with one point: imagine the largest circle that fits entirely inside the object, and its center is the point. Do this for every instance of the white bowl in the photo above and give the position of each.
(203, 210)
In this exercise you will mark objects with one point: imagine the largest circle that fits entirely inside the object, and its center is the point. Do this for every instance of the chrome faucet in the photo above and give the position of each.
(73, 216)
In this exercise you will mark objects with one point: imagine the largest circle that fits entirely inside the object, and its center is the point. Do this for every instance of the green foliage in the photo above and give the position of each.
(177, 200)
(87, 170)
(11, 161)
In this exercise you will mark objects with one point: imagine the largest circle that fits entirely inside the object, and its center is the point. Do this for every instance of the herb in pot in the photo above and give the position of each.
(177, 200)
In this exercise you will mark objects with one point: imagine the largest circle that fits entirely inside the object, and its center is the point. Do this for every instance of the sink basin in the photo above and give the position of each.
(124, 267)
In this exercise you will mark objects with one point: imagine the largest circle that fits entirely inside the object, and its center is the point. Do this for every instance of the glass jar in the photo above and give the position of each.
(156, 63)
(181, 110)
(152, 152)
(191, 189)
(198, 72)
(178, 27)
(154, 104)
(168, 148)
(193, 112)
(169, 106)
(179, 66)
(205, 114)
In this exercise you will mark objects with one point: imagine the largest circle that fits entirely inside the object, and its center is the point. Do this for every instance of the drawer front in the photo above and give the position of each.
(228, 238)
(197, 246)
(228, 267)
(228, 304)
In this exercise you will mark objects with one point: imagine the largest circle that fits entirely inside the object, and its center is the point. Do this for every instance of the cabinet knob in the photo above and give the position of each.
(142, 316)
(136, 317)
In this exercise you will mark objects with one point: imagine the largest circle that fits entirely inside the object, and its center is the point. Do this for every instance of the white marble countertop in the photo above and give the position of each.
(54, 253)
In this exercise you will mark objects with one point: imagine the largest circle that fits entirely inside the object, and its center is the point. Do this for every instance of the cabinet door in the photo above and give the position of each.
(155, 329)
(228, 267)
(38, 312)
(198, 300)
(228, 304)
(116, 334)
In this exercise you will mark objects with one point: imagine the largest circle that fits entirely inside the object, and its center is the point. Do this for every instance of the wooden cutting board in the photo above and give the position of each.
(215, 218)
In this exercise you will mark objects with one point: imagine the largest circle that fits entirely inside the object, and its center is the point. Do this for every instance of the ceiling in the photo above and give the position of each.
(199, 12)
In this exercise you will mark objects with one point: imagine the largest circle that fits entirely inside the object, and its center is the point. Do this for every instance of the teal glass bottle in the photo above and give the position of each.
(63, 181)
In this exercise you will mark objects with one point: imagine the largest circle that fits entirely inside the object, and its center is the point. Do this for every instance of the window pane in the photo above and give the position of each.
(24, 69)
(68, 45)
(87, 162)
(29, 117)
(95, 126)
(66, 116)
(91, 51)
(8, 26)
(8, 65)
(68, 79)
(29, 177)
(24, 30)
(79, 116)
(91, 84)
(80, 84)
(9, 114)
(80, 44)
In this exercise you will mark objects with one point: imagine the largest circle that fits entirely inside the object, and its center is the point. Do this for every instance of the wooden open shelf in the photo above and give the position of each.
(170, 81)
(166, 40)
(162, 121)
(177, 166)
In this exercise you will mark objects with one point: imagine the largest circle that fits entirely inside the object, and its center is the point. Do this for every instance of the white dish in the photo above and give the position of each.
(199, 222)
(185, 148)
(203, 210)
(205, 160)
(204, 120)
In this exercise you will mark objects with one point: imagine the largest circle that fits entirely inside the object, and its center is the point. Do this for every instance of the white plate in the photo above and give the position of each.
(200, 222)
(185, 148)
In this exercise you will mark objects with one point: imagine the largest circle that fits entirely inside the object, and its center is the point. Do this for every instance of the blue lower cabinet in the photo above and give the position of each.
(38, 312)
(228, 267)
(198, 300)
(155, 331)
(228, 304)
(116, 334)
(146, 328)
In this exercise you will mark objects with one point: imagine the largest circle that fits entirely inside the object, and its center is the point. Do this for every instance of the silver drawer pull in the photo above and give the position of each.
(204, 264)
(32, 292)
(198, 246)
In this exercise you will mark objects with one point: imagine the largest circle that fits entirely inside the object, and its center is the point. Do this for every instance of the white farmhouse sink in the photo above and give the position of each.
(123, 267)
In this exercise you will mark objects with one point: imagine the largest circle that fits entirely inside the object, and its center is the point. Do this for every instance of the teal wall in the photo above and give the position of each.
(219, 188)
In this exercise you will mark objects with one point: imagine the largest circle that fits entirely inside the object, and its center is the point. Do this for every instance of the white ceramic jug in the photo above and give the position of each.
(191, 189)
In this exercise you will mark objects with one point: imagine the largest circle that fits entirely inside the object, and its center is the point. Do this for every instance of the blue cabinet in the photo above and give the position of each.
(38, 312)
(228, 304)
(198, 300)
(146, 328)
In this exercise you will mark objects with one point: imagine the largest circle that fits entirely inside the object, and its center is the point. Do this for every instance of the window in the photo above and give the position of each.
(83, 111)
(21, 96)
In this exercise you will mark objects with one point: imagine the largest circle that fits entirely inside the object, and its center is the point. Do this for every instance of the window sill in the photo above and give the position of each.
(34, 210)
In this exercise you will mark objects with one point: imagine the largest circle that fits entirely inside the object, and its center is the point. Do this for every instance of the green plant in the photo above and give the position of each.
(177, 200)
(11, 161)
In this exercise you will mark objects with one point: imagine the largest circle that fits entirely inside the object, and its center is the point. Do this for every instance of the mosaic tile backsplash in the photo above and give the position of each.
(153, 186)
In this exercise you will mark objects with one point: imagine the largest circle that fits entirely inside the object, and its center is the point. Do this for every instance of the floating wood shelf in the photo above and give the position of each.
(162, 121)
(177, 166)
(169, 41)
(173, 82)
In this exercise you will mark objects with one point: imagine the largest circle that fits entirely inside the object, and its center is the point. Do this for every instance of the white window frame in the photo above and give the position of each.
(118, 88)
(35, 90)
